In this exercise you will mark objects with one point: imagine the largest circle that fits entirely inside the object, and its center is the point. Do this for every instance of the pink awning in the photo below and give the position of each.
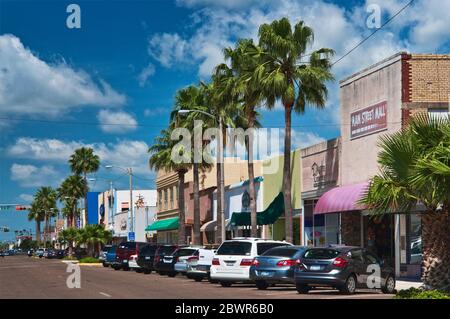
(341, 199)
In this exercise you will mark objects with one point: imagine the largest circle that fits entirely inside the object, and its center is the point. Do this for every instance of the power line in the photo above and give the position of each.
(376, 30)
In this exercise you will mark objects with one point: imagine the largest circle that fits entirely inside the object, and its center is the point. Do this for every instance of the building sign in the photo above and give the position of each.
(368, 120)
(320, 178)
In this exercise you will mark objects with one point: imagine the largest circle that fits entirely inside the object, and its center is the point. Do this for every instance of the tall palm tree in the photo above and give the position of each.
(82, 162)
(37, 214)
(243, 63)
(286, 73)
(70, 191)
(415, 168)
(161, 159)
(193, 98)
(46, 198)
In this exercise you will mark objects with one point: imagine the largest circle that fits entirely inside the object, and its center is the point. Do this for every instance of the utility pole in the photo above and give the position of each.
(222, 182)
(130, 173)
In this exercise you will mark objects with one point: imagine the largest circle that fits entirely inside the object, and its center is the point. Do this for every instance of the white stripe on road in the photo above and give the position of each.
(105, 294)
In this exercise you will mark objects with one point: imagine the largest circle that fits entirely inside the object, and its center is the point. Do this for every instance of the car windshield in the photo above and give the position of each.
(129, 245)
(321, 253)
(186, 252)
(263, 247)
(235, 248)
(149, 249)
(281, 252)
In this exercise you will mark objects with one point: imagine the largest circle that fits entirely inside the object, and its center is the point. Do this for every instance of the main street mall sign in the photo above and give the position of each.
(368, 120)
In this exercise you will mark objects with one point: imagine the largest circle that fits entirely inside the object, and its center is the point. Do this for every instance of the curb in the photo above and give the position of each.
(91, 264)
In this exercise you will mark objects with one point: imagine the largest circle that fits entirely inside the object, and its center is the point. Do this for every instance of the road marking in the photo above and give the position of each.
(105, 294)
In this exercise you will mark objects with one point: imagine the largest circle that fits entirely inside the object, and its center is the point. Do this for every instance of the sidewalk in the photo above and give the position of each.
(405, 283)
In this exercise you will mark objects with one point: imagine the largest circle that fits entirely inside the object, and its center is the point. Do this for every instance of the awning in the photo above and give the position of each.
(266, 217)
(164, 224)
(341, 199)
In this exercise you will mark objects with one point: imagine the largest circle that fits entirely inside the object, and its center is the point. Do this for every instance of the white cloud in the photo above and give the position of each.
(145, 74)
(123, 153)
(305, 139)
(116, 121)
(26, 197)
(156, 111)
(34, 176)
(31, 86)
(167, 48)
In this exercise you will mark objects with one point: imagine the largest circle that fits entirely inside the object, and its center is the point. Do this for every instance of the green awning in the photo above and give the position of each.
(266, 217)
(164, 224)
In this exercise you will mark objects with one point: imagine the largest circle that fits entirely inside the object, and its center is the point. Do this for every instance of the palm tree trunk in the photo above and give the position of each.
(287, 174)
(197, 238)
(436, 249)
(70, 248)
(251, 176)
(38, 232)
(182, 216)
(46, 231)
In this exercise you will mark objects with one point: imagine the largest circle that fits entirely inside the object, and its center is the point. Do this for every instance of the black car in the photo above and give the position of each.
(167, 265)
(30, 252)
(162, 251)
(146, 257)
(344, 268)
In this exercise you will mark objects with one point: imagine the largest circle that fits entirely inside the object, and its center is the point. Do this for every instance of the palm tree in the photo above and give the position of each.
(284, 73)
(93, 236)
(415, 169)
(82, 162)
(243, 64)
(68, 236)
(161, 159)
(37, 214)
(193, 98)
(70, 191)
(45, 198)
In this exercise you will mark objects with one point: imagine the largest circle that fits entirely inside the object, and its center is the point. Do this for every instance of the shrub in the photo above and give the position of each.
(415, 293)
(69, 258)
(89, 260)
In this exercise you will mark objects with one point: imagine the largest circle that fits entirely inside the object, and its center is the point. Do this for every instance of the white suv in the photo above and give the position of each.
(234, 257)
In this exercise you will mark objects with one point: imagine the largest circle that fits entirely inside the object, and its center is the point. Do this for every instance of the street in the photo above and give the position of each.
(24, 277)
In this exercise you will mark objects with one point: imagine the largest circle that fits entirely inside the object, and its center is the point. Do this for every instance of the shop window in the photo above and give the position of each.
(331, 229)
(415, 239)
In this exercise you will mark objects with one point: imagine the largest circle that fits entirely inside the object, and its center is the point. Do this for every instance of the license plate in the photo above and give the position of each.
(147, 258)
(314, 268)
(125, 261)
(265, 274)
(230, 264)
(201, 268)
(167, 261)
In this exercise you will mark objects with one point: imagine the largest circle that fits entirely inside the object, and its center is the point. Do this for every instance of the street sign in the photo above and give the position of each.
(131, 236)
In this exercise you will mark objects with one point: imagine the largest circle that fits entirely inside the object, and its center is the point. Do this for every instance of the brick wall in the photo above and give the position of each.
(429, 77)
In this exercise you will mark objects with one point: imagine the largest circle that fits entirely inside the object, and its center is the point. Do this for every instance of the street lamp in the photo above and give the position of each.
(129, 171)
(221, 190)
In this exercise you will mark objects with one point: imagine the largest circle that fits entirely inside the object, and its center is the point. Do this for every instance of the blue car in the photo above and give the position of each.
(110, 257)
(275, 266)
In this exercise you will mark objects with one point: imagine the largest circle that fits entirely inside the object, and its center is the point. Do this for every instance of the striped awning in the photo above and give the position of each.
(341, 199)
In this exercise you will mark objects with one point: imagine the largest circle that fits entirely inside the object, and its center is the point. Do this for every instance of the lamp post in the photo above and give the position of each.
(221, 178)
(129, 171)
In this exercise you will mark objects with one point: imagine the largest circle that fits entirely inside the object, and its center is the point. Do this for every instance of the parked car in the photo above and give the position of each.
(40, 252)
(132, 263)
(110, 259)
(198, 267)
(60, 253)
(275, 266)
(344, 268)
(2, 254)
(102, 256)
(161, 252)
(146, 257)
(30, 252)
(123, 253)
(233, 259)
(179, 259)
(50, 254)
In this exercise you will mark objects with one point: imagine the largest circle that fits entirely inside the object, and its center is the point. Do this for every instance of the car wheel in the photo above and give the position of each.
(105, 265)
(147, 271)
(139, 270)
(349, 286)
(161, 273)
(261, 285)
(389, 286)
(116, 268)
(172, 274)
(198, 279)
(225, 284)
(302, 289)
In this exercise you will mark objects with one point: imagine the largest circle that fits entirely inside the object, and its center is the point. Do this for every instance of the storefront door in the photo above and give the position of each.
(379, 237)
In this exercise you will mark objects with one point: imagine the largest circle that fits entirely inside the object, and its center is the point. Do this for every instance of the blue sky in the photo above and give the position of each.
(59, 85)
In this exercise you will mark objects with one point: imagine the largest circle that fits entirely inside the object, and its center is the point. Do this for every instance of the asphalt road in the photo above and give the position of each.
(24, 277)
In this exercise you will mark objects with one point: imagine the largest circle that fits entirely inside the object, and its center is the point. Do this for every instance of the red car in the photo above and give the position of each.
(124, 251)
